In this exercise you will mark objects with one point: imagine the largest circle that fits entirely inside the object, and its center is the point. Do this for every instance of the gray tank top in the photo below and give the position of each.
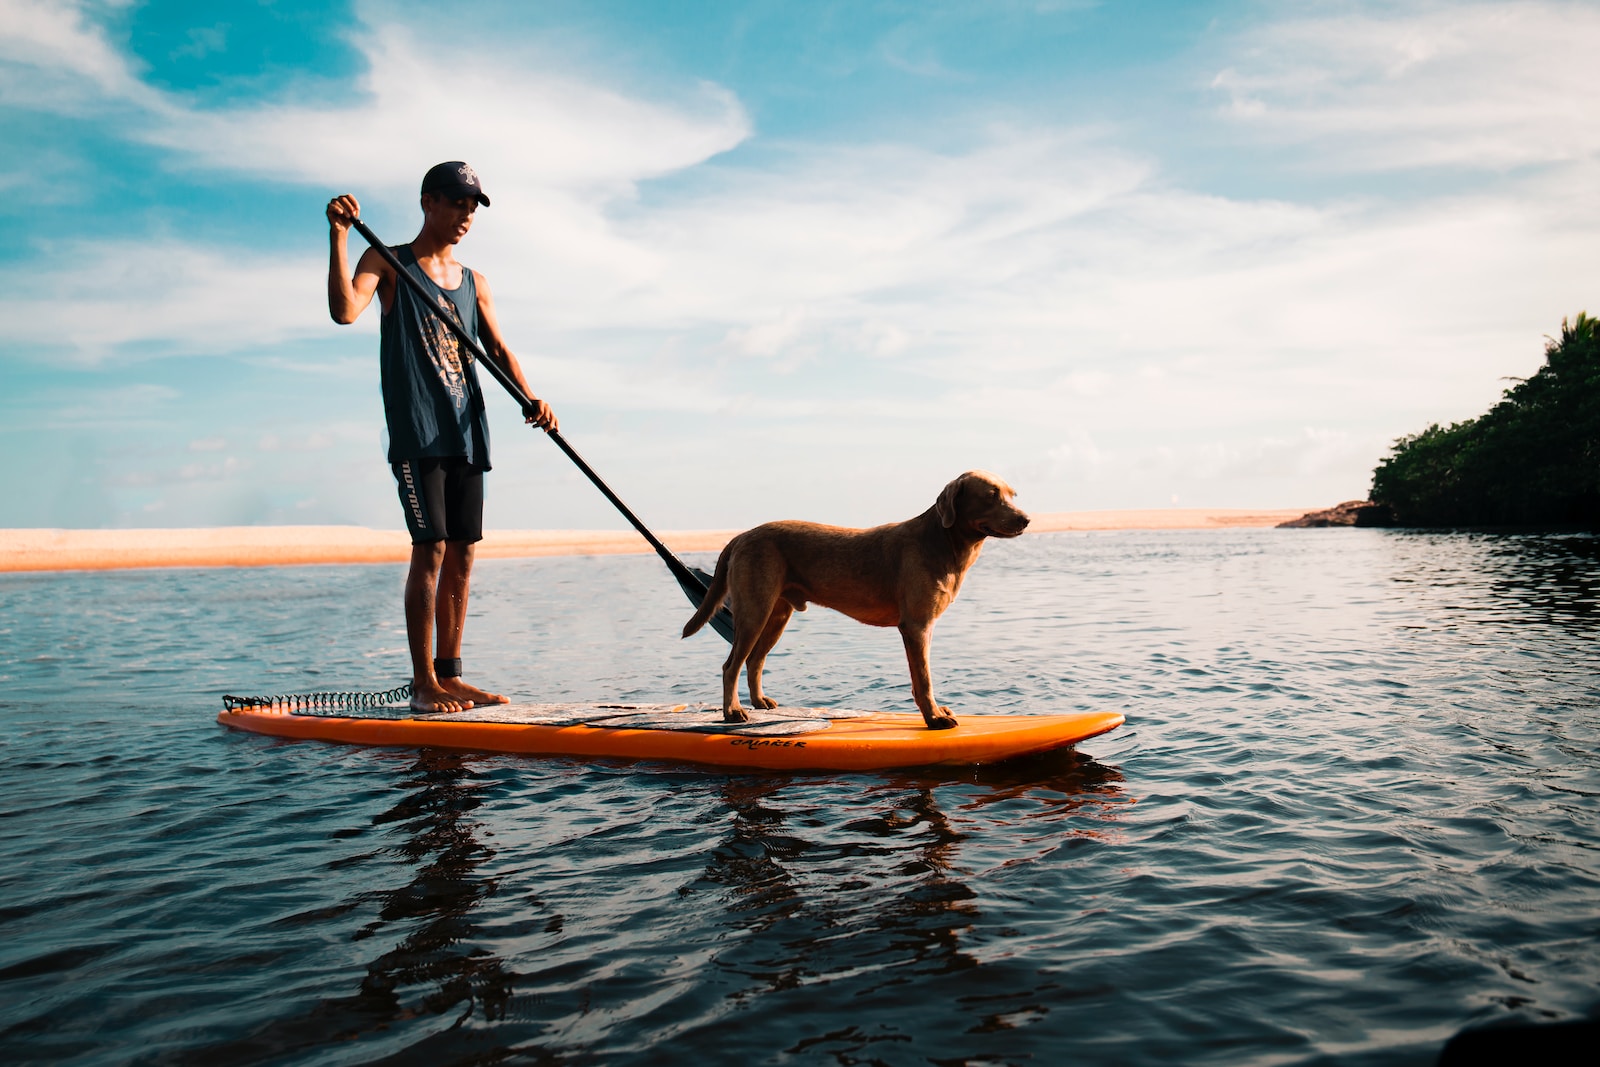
(431, 398)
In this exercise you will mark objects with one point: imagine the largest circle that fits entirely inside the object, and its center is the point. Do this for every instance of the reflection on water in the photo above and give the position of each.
(1557, 576)
(852, 892)
(1351, 812)
(898, 853)
(1511, 579)
(437, 904)
(435, 968)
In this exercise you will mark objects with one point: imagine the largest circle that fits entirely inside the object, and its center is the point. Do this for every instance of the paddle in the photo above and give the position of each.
(693, 580)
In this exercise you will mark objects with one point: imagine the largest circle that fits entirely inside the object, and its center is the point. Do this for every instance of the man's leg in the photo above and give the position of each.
(450, 613)
(427, 694)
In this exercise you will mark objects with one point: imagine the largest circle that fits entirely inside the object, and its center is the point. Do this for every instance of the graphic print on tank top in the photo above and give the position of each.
(445, 347)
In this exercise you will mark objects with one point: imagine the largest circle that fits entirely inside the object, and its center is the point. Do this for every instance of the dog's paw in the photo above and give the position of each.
(942, 721)
(735, 715)
(765, 703)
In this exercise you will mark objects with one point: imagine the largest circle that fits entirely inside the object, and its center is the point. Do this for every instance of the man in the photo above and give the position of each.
(438, 436)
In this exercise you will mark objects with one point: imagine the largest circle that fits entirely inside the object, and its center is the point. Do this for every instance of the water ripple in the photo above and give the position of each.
(1352, 811)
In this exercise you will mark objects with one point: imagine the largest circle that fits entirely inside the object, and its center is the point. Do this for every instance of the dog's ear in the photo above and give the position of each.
(945, 506)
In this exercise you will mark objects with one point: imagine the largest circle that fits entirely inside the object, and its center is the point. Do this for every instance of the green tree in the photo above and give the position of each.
(1531, 460)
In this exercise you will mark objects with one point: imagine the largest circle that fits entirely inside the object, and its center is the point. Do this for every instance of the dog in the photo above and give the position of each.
(903, 574)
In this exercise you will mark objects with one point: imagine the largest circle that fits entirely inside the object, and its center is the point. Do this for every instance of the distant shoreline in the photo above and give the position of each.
(282, 546)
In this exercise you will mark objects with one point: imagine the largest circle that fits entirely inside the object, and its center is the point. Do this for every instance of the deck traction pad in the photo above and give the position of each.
(695, 718)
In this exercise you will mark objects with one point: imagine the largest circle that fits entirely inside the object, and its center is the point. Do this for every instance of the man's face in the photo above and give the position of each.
(451, 219)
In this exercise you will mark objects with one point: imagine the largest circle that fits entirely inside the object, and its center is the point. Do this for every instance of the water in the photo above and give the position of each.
(1352, 811)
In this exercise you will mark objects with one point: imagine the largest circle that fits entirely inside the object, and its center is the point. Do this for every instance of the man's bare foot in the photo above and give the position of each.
(431, 699)
(470, 695)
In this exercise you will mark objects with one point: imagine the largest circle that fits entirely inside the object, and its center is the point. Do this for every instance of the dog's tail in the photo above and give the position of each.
(715, 595)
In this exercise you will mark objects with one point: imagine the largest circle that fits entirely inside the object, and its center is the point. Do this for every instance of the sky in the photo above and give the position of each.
(785, 259)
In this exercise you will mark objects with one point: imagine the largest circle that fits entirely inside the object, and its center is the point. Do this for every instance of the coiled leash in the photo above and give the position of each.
(443, 667)
(318, 701)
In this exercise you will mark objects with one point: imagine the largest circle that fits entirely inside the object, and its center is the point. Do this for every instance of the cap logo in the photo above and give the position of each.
(467, 175)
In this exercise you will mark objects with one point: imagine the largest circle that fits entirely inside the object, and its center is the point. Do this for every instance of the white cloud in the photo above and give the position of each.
(1083, 294)
(96, 298)
(1077, 454)
(1041, 297)
(499, 104)
(137, 406)
(1492, 85)
(842, 222)
(525, 128)
(312, 441)
(1038, 277)
(221, 471)
(769, 337)
(1226, 468)
(203, 41)
(557, 151)
(54, 57)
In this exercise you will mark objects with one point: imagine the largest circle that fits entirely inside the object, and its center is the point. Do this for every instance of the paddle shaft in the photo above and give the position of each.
(686, 577)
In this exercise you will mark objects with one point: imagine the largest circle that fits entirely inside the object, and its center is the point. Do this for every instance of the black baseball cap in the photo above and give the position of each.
(454, 181)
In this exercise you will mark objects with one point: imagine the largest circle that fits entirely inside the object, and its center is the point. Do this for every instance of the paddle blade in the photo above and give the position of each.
(695, 582)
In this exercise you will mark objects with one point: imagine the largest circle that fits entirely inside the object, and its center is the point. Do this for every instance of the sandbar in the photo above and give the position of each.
(278, 546)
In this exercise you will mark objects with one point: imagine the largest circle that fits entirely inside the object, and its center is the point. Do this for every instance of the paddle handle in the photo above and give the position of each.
(680, 571)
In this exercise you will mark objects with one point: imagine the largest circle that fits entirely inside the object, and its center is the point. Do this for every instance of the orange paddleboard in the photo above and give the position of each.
(780, 739)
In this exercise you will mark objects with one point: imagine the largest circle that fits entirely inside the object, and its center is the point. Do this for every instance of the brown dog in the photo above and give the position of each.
(904, 574)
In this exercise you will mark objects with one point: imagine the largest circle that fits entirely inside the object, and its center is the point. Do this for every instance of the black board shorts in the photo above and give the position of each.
(442, 499)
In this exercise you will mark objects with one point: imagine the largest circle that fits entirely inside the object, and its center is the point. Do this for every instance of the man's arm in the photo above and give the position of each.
(349, 295)
(493, 343)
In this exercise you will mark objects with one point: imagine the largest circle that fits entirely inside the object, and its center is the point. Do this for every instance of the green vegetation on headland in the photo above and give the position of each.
(1531, 460)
